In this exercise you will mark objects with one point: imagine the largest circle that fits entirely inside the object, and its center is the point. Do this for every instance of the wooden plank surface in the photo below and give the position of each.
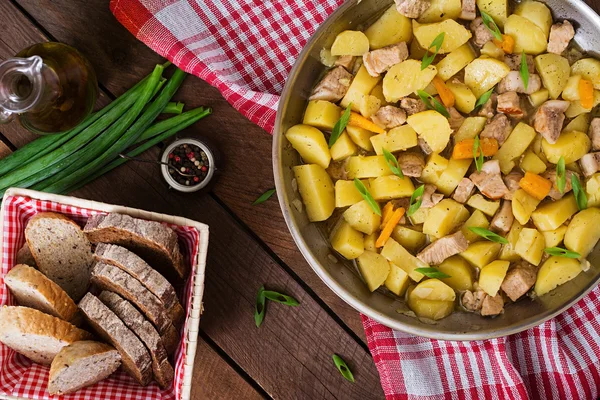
(290, 356)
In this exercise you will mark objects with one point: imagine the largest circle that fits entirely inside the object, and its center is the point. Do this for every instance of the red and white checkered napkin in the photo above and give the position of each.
(19, 377)
(246, 48)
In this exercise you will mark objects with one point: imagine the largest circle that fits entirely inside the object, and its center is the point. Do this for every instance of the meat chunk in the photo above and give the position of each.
(560, 36)
(513, 82)
(492, 305)
(456, 119)
(389, 117)
(503, 219)
(468, 10)
(411, 164)
(424, 146)
(337, 170)
(489, 180)
(551, 176)
(412, 8)
(333, 86)
(509, 103)
(430, 198)
(488, 109)
(514, 62)
(473, 301)
(380, 60)
(512, 183)
(497, 128)
(464, 190)
(594, 133)
(443, 248)
(519, 279)
(549, 119)
(412, 106)
(481, 34)
(590, 164)
(346, 62)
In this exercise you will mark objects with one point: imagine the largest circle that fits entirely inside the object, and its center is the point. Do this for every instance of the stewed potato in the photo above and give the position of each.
(554, 71)
(589, 68)
(482, 74)
(350, 43)
(440, 10)
(310, 143)
(374, 269)
(347, 241)
(536, 12)
(492, 275)
(460, 272)
(497, 9)
(455, 34)
(432, 127)
(316, 189)
(554, 272)
(397, 280)
(406, 78)
(455, 61)
(528, 36)
(570, 145)
(432, 299)
(392, 27)
(583, 232)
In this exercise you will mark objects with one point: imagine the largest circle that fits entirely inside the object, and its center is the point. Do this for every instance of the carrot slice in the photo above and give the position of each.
(535, 185)
(586, 93)
(445, 94)
(359, 121)
(507, 44)
(389, 227)
(388, 210)
(464, 149)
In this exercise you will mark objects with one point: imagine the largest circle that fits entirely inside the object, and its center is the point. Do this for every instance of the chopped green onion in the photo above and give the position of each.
(415, 200)
(432, 103)
(437, 43)
(561, 177)
(339, 126)
(340, 364)
(264, 197)
(484, 98)
(432, 273)
(362, 189)
(259, 309)
(524, 70)
(579, 192)
(487, 234)
(392, 163)
(173, 108)
(489, 23)
(281, 298)
(478, 153)
(559, 251)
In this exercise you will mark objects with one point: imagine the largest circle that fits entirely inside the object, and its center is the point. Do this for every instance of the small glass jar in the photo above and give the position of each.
(191, 157)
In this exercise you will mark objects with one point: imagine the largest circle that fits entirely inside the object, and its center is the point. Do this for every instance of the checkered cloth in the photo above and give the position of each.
(245, 48)
(19, 377)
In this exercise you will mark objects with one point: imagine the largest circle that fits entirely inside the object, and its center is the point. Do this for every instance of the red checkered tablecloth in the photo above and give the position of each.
(245, 48)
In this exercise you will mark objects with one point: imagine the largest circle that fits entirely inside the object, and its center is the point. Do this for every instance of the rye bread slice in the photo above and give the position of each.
(113, 279)
(148, 276)
(153, 241)
(134, 355)
(81, 364)
(24, 256)
(33, 289)
(163, 371)
(61, 251)
(36, 335)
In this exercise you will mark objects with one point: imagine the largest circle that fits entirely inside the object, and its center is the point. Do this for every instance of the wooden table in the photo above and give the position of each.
(289, 357)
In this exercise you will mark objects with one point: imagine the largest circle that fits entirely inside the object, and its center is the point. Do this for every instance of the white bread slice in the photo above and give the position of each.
(36, 335)
(148, 276)
(61, 251)
(33, 289)
(163, 371)
(134, 355)
(153, 241)
(111, 278)
(82, 364)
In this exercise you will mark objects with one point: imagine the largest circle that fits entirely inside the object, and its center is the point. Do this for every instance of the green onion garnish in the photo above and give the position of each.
(432, 103)
(392, 163)
(559, 251)
(362, 189)
(339, 126)
(579, 192)
(340, 364)
(487, 234)
(437, 43)
(432, 273)
(415, 200)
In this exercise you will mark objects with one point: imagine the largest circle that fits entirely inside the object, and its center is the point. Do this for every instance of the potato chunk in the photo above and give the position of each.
(497, 9)
(397, 281)
(538, 13)
(396, 254)
(347, 241)
(583, 231)
(482, 74)
(321, 114)
(589, 68)
(434, 168)
(531, 245)
(531, 162)
(552, 215)
(361, 137)
(476, 220)
(592, 190)
(373, 268)
(452, 175)
(440, 10)
(461, 273)
(350, 43)
(554, 71)
(432, 127)
(471, 127)
(361, 217)
(310, 143)
(316, 190)
(464, 98)
(432, 299)
(410, 239)
(515, 145)
(487, 207)
(456, 34)
(347, 194)
(553, 238)
(571, 145)
(481, 253)
(523, 205)
(492, 275)
(396, 139)
(528, 36)
(508, 250)
(361, 86)
(444, 217)
(406, 78)
(367, 167)
(391, 28)
(391, 187)
(554, 272)
(455, 61)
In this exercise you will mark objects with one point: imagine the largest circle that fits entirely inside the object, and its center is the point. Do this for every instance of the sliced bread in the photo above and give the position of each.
(163, 371)
(82, 364)
(148, 276)
(153, 241)
(61, 251)
(24, 256)
(36, 335)
(33, 289)
(134, 355)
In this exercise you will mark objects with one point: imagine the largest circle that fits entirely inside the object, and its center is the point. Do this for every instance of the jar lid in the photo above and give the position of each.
(210, 159)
